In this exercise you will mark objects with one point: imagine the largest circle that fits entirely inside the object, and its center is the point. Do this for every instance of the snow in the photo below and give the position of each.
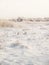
(25, 45)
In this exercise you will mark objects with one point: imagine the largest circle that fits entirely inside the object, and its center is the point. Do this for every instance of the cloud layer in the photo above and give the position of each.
(24, 8)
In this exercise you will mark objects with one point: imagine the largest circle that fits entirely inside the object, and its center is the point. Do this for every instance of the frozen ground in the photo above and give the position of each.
(26, 45)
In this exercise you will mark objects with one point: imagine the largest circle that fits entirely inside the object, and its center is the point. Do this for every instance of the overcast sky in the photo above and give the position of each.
(24, 8)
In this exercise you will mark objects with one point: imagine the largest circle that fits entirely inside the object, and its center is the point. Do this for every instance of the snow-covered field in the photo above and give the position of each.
(27, 43)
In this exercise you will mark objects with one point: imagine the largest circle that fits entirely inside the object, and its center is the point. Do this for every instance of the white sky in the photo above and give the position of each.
(24, 8)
